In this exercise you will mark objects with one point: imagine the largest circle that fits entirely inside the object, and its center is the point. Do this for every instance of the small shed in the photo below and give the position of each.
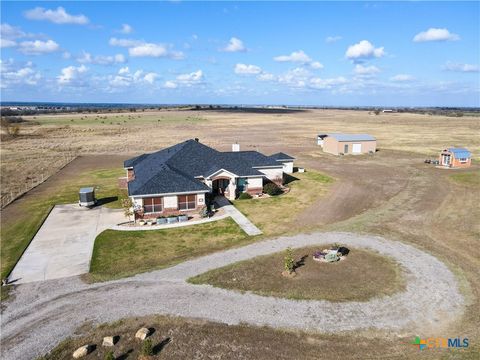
(86, 196)
(455, 158)
(348, 143)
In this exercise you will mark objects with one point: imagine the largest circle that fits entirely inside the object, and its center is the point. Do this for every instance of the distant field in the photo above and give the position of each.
(40, 146)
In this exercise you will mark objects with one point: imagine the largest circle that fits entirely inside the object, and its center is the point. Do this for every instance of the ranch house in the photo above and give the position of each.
(176, 179)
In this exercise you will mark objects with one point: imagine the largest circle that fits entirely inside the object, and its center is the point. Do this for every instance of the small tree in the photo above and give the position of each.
(288, 261)
(127, 206)
(147, 348)
(109, 356)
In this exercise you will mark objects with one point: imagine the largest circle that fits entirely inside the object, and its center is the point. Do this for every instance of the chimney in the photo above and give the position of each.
(197, 139)
(236, 147)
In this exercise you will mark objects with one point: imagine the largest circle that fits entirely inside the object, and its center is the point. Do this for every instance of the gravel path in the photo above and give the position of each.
(42, 314)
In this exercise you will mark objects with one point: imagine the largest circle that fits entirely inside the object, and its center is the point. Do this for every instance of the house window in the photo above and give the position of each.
(152, 204)
(186, 202)
(463, 160)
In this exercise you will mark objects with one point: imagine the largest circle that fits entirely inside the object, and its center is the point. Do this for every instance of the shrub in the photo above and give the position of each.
(109, 356)
(272, 189)
(244, 196)
(147, 348)
(288, 261)
(13, 130)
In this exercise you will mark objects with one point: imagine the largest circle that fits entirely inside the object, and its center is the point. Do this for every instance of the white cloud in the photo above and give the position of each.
(191, 78)
(170, 85)
(266, 77)
(150, 77)
(247, 69)
(87, 58)
(38, 47)
(11, 32)
(154, 50)
(332, 39)
(125, 78)
(318, 83)
(296, 57)
(58, 16)
(363, 50)
(71, 74)
(6, 43)
(435, 34)
(140, 48)
(13, 75)
(402, 78)
(126, 29)
(459, 67)
(301, 58)
(365, 70)
(234, 45)
(66, 55)
(124, 42)
(316, 65)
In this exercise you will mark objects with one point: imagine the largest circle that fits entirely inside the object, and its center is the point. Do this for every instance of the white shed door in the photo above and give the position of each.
(356, 148)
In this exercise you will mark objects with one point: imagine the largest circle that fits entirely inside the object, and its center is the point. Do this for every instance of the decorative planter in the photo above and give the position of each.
(182, 218)
(150, 222)
(161, 221)
(141, 222)
(172, 220)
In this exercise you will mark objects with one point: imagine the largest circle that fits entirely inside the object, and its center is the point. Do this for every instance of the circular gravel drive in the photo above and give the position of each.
(42, 314)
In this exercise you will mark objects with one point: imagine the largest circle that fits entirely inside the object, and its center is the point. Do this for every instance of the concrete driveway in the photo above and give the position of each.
(63, 246)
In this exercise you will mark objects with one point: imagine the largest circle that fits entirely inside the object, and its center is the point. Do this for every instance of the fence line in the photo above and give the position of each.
(8, 198)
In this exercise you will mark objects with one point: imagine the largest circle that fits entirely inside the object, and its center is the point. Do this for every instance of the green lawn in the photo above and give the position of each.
(275, 215)
(17, 231)
(119, 254)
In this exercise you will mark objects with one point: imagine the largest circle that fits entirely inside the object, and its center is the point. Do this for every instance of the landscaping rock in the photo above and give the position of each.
(289, 274)
(108, 341)
(81, 352)
(142, 333)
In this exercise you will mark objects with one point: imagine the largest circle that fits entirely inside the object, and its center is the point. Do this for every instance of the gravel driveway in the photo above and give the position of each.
(43, 314)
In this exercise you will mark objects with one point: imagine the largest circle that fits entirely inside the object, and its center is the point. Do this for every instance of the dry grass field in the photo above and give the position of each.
(392, 194)
(44, 139)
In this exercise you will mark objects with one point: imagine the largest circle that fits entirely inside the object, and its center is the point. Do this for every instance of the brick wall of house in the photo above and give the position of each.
(122, 182)
(168, 212)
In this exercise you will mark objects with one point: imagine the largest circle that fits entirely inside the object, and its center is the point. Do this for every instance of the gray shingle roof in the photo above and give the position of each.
(352, 137)
(281, 156)
(174, 169)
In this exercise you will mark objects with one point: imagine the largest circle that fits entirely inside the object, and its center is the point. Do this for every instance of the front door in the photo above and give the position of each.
(356, 148)
(446, 160)
(345, 149)
(220, 185)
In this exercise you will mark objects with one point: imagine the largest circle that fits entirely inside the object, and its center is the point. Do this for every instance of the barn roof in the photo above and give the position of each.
(352, 137)
(460, 152)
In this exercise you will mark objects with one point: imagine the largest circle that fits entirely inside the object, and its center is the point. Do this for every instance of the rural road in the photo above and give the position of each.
(44, 313)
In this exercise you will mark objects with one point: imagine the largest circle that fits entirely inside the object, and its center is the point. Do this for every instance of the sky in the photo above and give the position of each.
(293, 53)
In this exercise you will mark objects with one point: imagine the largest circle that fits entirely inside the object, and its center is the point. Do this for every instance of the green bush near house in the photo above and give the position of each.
(244, 196)
(272, 189)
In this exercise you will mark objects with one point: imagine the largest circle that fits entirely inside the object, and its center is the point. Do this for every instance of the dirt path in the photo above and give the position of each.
(44, 314)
